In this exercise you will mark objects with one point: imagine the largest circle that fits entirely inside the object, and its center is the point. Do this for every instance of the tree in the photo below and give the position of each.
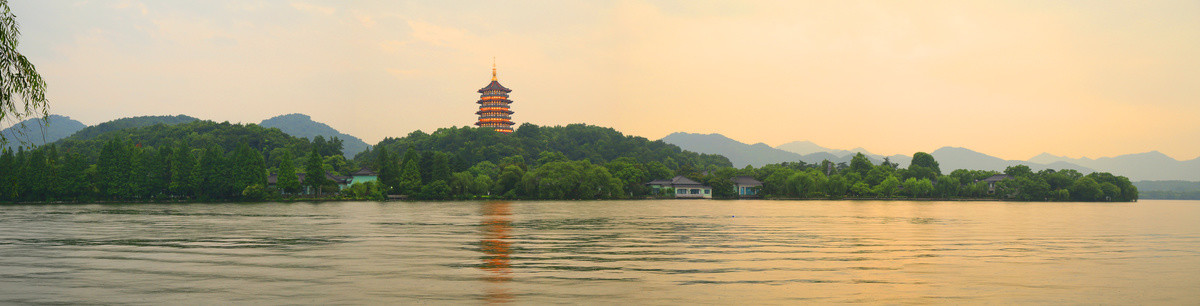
(461, 184)
(860, 164)
(8, 175)
(23, 92)
(389, 171)
(917, 188)
(922, 159)
(410, 177)
(113, 169)
(440, 167)
(249, 168)
(182, 165)
(837, 186)
(286, 179)
(947, 186)
(1086, 189)
(1018, 171)
(314, 176)
(888, 187)
(213, 174)
(1031, 188)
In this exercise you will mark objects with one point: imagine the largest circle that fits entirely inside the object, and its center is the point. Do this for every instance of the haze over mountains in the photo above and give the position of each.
(1143, 166)
(62, 127)
(1151, 165)
(301, 125)
(35, 132)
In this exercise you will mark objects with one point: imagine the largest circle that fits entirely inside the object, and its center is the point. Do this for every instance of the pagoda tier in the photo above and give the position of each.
(494, 111)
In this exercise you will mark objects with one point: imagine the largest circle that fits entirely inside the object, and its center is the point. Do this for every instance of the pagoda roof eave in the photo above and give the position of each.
(494, 85)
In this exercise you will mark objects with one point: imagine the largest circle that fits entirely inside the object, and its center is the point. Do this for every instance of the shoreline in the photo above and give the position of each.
(290, 201)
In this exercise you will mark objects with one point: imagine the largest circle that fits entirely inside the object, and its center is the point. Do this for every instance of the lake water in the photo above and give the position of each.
(602, 252)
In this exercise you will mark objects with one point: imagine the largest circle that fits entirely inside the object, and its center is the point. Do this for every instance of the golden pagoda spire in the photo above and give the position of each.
(493, 68)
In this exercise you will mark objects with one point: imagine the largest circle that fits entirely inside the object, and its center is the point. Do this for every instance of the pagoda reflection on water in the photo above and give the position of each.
(493, 106)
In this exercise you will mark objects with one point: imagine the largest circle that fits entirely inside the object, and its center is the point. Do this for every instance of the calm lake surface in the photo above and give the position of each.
(604, 252)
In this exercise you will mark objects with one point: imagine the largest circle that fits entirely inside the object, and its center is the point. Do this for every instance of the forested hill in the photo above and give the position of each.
(125, 123)
(301, 125)
(195, 134)
(468, 146)
(35, 132)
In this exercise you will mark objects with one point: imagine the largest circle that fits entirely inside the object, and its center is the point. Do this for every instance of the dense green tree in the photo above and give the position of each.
(248, 169)
(314, 173)
(389, 171)
(948, 187)
(1030, 187)
(438, 190)
(286, 179)
(888, 187)
(837, 186)
(8, 175)
(1086, 189)
(440, 167)
(183, 183)
(860, 164)
(922, 159)
(113, 168)
(213, 174)
(461, 184)
(1018, 171)
(410, 176)
(73, 180)
(861, 189)
(918, 188)
(36, 175)
(485, 168)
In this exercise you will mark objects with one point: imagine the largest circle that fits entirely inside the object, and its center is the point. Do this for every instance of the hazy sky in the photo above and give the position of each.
(1007, 78)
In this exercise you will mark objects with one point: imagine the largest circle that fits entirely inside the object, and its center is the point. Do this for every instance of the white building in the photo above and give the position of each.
(684, 188)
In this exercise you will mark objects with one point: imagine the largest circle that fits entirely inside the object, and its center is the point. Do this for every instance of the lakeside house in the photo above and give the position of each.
(746, 186)
(992, 180)
(363, 175)
(684, 188)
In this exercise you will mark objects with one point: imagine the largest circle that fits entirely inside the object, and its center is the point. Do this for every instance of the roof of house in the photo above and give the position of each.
(274, 178)
(997, 178)
(364, 172)
(659, 182)
(745, 181)
(678, 181)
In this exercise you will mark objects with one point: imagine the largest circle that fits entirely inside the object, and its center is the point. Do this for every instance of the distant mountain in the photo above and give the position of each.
(740, 154)
(131, 122)
(808, 147)
(803, 147)
(1151, 165)
(760, 154)
(952, 158)
(301, 125)
(35, 132)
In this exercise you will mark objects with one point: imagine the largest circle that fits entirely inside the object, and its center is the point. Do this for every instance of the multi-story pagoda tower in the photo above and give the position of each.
(493, 106)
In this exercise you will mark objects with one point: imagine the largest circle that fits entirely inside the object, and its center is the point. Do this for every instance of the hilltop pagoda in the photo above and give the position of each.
(493, 106)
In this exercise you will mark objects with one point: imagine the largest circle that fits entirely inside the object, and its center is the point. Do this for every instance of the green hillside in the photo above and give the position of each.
(125, 123)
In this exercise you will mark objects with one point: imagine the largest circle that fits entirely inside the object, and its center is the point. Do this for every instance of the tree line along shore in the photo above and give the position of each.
(209, 161)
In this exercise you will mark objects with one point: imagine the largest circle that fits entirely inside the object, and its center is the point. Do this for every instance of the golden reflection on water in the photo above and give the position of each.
(496, 224)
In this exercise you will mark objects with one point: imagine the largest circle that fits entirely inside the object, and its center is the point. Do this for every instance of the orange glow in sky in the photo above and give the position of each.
(1008, 78)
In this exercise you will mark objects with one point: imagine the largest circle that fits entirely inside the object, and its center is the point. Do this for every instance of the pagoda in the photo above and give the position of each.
(493, 102)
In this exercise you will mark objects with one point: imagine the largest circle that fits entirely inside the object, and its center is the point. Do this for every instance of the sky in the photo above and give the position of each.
(1007, 78)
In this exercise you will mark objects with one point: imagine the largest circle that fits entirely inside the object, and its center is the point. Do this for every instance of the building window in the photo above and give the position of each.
(707, 191)
(695, 191)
